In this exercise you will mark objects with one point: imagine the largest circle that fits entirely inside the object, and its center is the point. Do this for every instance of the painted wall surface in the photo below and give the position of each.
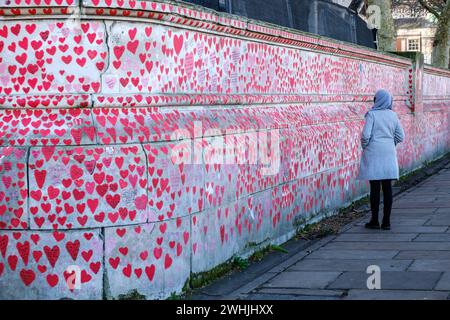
(157, 141)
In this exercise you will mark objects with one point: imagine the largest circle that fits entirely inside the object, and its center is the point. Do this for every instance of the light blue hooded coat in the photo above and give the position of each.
(381, 133)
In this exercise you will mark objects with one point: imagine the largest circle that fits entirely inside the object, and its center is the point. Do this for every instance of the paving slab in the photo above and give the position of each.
(430, 193)
(366, 294)
(380, 245)
(423, 254)
(379, 236)
(417, 215)
(303, 279)
(440, 215)
(416, 205)
(412, 211)
(444, 282)
(405, 215)
(350, 264)
(403, 221)
(352, 254)
(416, 199)
(271, 296)
(439, 221)
(427, 187)
(430, 265)
(227, 285)
(437, 237)
(402, 229)
(390, 280)
(302, 292)
(442, 183)
(414, 257)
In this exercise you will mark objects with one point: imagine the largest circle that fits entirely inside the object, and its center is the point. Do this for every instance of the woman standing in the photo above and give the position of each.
(382, 132)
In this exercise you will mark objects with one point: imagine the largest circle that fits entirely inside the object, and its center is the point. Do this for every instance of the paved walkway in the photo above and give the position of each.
(414, 257)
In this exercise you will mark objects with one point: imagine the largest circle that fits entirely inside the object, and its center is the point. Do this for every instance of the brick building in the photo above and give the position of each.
(415, 30)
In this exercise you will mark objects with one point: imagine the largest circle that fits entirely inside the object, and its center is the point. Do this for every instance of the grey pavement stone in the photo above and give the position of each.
(412, 210)
(438, 237)
(413, 215)
(444, 282)
(352, 254)
(227, 286)
(303, 279)
(390, 280)
(388, 245)
(415, 205)
(440, 215)
(429, 192)
(423, 254)
(443, 198)
(403, 221)
(349, 264)
(402, 229)
(302, 292)
(232, 286)
(436, 183)
(379, 236)
(275, 258)
(300, 255)
(248, 286)
(366, 294)
(414, 257)
(430, 265)
(439, 221)
(414, 199)
(430, 189)
(442, 203)
(416, 215)
(261, 296)
(266, 264)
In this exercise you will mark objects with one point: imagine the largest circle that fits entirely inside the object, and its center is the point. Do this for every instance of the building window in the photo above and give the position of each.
(413, 45)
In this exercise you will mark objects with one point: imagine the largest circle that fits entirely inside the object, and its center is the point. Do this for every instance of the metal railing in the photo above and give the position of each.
(315, 16)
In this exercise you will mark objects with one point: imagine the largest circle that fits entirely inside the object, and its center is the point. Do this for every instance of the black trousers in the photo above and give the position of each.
(375, 189)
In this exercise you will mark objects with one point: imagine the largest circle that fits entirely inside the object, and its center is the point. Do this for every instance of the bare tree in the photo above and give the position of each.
(386, 30)
(413, 7)
(441, 10)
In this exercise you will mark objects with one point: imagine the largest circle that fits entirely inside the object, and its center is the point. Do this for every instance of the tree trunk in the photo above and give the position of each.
(386, 32)
(441, 39)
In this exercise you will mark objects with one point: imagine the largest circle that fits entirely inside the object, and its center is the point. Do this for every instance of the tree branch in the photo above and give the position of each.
(429, 8)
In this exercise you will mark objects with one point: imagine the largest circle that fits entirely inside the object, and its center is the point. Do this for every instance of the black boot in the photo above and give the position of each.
(372, 224)
(386, 224)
